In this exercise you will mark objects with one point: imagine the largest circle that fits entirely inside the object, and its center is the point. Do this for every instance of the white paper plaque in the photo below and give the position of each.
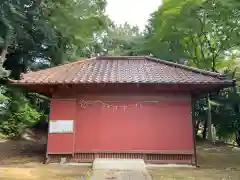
(61, 126)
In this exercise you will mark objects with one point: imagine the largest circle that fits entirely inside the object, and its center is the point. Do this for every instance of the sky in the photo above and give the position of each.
(135, 12)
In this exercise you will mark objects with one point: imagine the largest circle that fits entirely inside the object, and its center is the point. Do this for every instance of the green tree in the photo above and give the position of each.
(121, 39)
(16, 113)
(38, 34)
(77, 22)
(50, 30)
(203, 32)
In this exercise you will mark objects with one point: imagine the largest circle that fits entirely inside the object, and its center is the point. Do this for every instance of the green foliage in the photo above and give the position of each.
(17, 113)
(47, 30)
(2, 97)
(122, 39)
(199, 109)
(76, 20)
(225, 116)
(17, 122)
(117, 40)
(77, 23)
(200, 31)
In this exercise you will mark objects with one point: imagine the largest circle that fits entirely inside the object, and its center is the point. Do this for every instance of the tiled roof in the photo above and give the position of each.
(122, 69)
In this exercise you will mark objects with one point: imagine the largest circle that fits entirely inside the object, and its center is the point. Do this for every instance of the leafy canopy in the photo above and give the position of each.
(203, 32)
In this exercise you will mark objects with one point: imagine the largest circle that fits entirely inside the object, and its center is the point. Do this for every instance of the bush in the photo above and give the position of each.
(18, 121)
(18, 114)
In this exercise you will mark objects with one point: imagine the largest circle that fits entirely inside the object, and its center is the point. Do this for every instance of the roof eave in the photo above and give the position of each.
(225, 82)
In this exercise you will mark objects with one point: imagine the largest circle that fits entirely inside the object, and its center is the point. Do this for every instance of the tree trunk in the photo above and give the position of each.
(197, 127)
(209, 120)
(238, 138)
(237, 110)
(204, 132)
(4, 48)
(3, 53)
(3, 72)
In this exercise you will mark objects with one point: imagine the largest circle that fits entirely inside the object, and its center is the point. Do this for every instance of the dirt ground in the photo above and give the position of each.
(23, 160)
(216, 163)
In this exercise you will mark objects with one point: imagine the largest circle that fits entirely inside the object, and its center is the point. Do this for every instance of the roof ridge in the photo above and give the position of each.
(119, 57)
(197, 70)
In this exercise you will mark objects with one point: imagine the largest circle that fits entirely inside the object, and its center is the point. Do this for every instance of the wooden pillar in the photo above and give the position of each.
(194, 134)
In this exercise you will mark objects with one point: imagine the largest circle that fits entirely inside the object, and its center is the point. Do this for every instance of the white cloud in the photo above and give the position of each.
(135, 12)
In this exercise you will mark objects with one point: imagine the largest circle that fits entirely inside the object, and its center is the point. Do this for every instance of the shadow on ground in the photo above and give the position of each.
(30, 148)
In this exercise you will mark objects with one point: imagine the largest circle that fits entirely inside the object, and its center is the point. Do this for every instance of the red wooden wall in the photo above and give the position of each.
(162, 126)
(61, 110)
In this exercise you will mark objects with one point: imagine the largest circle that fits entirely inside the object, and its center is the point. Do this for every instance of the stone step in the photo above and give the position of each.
(119, 164)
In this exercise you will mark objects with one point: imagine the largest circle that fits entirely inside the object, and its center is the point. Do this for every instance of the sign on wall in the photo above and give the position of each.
(61, 126)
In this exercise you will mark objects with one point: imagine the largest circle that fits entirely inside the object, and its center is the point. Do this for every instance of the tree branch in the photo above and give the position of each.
(201, 44)
(199, 35)
(211, 51)
(193, 55)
